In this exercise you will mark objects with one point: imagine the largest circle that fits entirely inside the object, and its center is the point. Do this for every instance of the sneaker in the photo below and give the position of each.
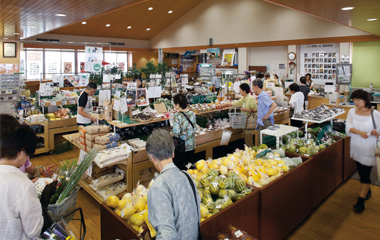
(359, 206)
(369, 194)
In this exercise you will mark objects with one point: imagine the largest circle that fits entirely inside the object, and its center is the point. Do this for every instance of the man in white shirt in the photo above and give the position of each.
(296, 102)
(216, 82)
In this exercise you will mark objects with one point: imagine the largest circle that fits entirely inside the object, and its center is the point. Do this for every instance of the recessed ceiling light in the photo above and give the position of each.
(148, 29)
(32, 26)
(347, 8)
(170, 12)
(129, 27)
(17, 33)
(108, 25)
(150, 8)
(84, 23)
(60, 15)
(371, 19)
(70, 42)
(5, 38)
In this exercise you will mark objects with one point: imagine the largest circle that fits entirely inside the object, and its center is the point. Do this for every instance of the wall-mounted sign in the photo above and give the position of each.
(9, 49)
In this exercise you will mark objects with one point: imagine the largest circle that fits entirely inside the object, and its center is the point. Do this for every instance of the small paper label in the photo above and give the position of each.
(238, 233)
(218, 206)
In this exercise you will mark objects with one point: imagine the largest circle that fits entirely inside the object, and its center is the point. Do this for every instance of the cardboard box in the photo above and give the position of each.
(107, 105)
(160, 108)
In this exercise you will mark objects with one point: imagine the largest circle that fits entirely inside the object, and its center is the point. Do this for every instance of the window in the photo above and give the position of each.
(110, 57)
(52, 63)
(121, 59)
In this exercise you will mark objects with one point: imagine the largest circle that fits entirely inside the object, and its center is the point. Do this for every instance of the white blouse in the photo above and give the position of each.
(362, 150)
(296, 101)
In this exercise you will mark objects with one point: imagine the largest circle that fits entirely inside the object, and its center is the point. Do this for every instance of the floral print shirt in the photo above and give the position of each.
(183, 129)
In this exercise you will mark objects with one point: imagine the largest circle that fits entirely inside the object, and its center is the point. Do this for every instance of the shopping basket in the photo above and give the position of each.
(237, 119)
(56, 211)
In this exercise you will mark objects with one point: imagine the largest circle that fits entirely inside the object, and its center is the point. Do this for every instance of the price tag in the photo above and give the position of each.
(238, 233)
(123, 105)
(89, 171)
(218, 206)
(116, 105)
(53, 103)
(81, 156)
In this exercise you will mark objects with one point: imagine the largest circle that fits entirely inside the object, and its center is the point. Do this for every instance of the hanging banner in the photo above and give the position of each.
(93, 59)
(160, 55)
(228, 57)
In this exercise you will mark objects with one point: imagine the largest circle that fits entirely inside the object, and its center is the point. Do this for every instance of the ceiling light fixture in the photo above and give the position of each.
(108, 25)
(60, 15)
(17, 33)
(84, 23)
(347, 8)
(148, 29)
(70, 42)
(170, 12)
(5, 38)
(371, 19)
(32, 26)
(129, 27)
(150, 8)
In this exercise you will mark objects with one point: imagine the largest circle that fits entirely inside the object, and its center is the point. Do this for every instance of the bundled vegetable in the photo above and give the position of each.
(77, 174)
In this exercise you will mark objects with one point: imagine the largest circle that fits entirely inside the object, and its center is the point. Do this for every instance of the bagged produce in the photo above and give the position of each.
(91, 137)
(106, 146)
(82, 141)
(97, 129)
(113, 189)
(106, 180)
(109, 137)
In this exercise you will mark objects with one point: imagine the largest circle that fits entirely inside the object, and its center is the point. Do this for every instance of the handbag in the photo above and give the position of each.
(251, 122)
(377, 148)
(180, 144)
(196, 202)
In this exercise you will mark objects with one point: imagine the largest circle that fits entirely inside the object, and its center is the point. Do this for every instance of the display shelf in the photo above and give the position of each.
(45, 135)
(319, 122)
(283, 130)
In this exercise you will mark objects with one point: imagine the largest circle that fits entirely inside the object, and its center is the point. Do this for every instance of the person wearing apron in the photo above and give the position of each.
(85, 105)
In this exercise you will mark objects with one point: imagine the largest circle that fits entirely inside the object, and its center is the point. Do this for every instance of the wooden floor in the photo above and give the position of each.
(334, 219)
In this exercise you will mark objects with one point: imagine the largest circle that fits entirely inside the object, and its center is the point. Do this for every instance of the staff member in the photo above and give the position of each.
(309, 82)
(173, 201)
(216, 82)
(305, 90)
(265, 106)
(85, 105)
(248, 105)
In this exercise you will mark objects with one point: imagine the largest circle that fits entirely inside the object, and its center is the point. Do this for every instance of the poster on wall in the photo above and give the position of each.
(121, 65)
(213, 53)
(228, 57)
(67, 67)
(34, 70)
(93, 59)
(344, 73)
(52, 67)
(142, 99)
(320, 60)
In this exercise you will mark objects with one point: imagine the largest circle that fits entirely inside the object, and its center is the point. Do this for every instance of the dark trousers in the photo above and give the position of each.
(364, 173)
(181, 159)
(296, 123)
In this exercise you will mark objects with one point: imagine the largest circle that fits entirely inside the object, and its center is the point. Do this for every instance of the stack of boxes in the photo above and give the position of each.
(97, 137)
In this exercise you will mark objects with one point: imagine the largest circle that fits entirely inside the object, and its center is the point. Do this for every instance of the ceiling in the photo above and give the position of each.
(32, 17)
(331, 10)
(137, 16)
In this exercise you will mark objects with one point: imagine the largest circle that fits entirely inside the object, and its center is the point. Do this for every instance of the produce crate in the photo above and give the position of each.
(57, 211)
(62, 147)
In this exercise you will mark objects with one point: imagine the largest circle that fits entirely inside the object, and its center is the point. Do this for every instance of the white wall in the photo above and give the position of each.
(79, 40)
(261, 56)
(240, 21)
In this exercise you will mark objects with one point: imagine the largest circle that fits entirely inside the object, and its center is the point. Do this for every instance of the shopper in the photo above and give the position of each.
(309, 82)
(269, 83)
(360, 126)
(173, 201)
(296, 103)
(265, 106)
(85, 105)
(184, 127)
(248, 105)
(305, 90)
(277, 80)
(21, 213)
(216, 82)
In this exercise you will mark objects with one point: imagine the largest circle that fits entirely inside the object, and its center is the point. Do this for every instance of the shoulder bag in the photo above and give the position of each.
(377, 148)
(196, 202)
(179, 143)
(251, 121)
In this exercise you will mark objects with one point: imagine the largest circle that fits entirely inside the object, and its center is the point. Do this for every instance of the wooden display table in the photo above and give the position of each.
(61, 126)
(244, 214)
(45, 135)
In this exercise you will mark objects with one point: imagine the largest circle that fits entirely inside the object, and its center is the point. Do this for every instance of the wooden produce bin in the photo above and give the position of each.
(349, 166)
(45, 135)
(113, 227)
(244, 214)
(282, 118)
(286, 202)
(327, 171)
(61, 126)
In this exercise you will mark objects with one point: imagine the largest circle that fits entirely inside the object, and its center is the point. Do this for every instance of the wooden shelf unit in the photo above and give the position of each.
(45, 135)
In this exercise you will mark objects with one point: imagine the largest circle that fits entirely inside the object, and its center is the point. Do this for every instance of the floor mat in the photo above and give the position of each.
(374, 177)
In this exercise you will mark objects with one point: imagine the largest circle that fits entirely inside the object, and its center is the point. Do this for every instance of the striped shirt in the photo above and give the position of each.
(20, 209)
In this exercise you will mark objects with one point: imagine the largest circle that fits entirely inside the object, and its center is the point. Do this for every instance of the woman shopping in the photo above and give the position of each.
(363, 126)
(296, 103)
(184, 127)
(248, 104)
